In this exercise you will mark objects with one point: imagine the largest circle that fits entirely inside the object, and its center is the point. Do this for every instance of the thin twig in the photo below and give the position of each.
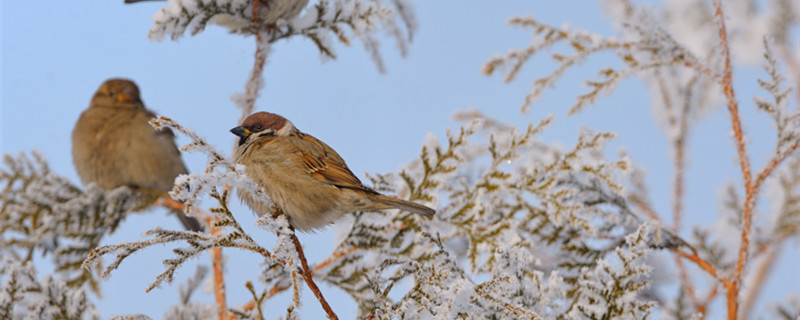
(517, 310)
(703, 69)
(170, 203)
(257, 72)
(679, 144)
(774, 163)
(335, 256)
(309, 279)
(216, 258)
(278, 287)
(219, 277)
(744, 162)
(792, 64)
(705, 265)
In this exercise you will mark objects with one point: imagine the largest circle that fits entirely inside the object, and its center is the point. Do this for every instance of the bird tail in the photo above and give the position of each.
(405, 205)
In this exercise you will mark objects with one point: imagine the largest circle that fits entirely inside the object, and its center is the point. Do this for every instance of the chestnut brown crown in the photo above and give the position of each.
(262, 124)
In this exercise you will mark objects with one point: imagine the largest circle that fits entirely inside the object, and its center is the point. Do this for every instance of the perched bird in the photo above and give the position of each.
(303, 176)
(113, 145)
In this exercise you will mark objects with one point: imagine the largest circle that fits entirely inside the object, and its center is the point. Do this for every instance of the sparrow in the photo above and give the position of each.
(113, 145)
(305, 178)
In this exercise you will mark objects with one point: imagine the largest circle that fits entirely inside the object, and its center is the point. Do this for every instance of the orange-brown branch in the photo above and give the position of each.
(277, 288)
(219, 276)
(170, 203)
(308, 277)
(744, 162)
(774, 163)
(700, 263)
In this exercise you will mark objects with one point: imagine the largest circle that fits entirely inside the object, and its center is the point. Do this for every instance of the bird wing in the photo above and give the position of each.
(323, 163)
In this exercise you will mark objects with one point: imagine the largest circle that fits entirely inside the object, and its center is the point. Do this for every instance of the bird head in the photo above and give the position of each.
(118, 93)
(263, 124)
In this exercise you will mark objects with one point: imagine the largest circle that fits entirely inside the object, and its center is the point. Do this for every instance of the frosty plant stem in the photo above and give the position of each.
(255, 80)
(216, 258)
(219, 276)
(751, 187)
(727, 86)
(308, 277)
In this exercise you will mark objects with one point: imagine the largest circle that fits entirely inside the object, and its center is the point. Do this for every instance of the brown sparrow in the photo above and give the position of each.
(303, 176)
(113, 145)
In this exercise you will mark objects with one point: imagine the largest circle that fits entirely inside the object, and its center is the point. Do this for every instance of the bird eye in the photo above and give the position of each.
(258, 127)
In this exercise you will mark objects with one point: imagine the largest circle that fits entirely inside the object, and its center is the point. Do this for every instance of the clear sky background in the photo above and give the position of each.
(56, 53)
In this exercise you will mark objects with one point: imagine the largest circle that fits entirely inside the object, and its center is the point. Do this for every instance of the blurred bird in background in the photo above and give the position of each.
(113, 145)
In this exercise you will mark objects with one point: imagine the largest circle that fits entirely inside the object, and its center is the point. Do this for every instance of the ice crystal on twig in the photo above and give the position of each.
(321, 22)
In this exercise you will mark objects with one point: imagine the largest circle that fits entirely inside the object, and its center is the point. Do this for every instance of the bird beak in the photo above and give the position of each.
(127, 95)
(241, 132)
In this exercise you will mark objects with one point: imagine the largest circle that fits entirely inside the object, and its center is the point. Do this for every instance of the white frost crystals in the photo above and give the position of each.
(24, 296)
(321, 22)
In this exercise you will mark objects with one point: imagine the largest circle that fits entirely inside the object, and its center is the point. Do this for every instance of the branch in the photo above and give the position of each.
(747, 219)
(256, 79)
(307, 275)
(693, 257)
(703, 69)
(774, 163)
(219, 276)
(216, 256)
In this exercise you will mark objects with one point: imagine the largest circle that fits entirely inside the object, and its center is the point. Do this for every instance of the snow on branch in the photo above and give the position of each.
(321, 22)
(787, 122)
(685, 52)
(24, 296)
(650, 48)
(530, 218)
(42, 211)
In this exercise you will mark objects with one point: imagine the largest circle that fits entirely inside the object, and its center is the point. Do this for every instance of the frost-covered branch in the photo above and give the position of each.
(686, 84)
(24, 295)
(322, 22)
(42, 211)
(652, 49)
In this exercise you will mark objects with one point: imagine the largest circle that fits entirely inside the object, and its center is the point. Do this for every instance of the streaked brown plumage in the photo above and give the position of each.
(113, 145)
(305, 177)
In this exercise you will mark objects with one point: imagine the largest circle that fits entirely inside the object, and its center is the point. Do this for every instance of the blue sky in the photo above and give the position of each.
(55, 55)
